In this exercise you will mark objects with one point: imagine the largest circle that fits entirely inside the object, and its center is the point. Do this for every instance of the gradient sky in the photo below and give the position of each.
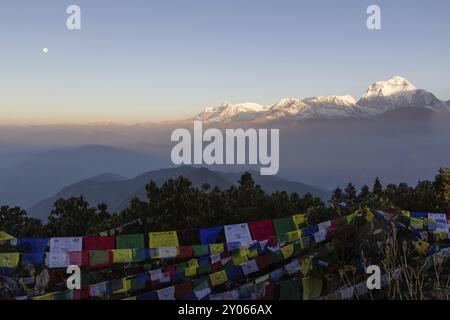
(148, 60)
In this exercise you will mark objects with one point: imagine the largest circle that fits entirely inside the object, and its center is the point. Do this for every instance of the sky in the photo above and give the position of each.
(152, 60)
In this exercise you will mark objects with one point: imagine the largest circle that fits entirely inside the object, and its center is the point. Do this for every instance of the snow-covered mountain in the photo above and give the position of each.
(380, 97)
(232, 112)
(398, 92)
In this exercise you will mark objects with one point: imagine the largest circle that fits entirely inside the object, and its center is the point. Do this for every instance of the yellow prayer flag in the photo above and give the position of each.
(5, 236)
(262, 278)
(306, 266)
(126, 286)
(190, 271)
(251, 254)
(294, 235)
(441, 235)
(193, 263)
(163, 239)
(312, 288)
(422, 246)
(46, 297)
(406, 213)
(9, 260)
(417, 223)
(216, 248)
(122, 255)
(369, 215)
(218, 278)
(130, 298)
(299, 220)
(351, 217)
(240, 257)
(287, 251)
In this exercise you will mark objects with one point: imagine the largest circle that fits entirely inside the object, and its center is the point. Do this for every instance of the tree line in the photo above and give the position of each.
(178, 205)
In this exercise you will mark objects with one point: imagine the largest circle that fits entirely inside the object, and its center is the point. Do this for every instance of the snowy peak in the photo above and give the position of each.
(380, 97)
(393, 86)
(398, 92)
(228, 112)
(345, 101)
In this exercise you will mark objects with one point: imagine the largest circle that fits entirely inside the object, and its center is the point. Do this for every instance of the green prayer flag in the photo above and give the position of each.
(130, 241)
(284, 225)
(276, 256)
(181, 266)
(99, 258)
(290, 290)
(200, 251)
(204, 269)
(200, 284)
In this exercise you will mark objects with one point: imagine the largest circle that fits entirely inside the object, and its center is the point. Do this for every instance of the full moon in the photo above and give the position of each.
(45, 50)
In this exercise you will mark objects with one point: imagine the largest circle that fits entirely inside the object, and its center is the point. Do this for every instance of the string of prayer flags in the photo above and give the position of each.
(99, 243)
(130, 241)
(238, 233)
(284, 225)
(209, 235)
(218, 278)
(163, 239)
(261, 230)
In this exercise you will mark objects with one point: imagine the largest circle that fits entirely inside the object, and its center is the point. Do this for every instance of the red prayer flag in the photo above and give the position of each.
(183, 289)
(169, 270)
(185, 252)
(99, 243)
(263, 261)
(261, 230)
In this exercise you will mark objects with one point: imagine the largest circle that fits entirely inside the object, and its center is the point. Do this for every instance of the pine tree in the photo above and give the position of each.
(337, 197)
(350, 196)
(377, 187)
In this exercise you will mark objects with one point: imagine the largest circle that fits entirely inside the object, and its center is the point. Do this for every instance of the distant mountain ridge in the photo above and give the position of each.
(380, 97)
(117, 191)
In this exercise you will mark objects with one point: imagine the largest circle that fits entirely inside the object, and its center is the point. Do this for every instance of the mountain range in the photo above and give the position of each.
(117, 191)
(380, 97)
